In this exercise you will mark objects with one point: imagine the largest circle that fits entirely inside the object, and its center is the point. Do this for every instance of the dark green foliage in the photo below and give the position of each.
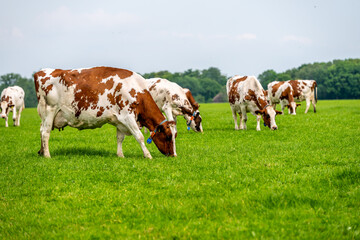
(204, 85)
(339, 79)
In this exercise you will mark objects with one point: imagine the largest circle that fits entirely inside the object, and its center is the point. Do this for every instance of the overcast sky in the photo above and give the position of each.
(236, 36)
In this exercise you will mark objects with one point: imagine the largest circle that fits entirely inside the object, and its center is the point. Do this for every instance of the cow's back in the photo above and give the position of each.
(88, 98)
(16, 94)
(163, 90)
(302, 88)
(239, 87)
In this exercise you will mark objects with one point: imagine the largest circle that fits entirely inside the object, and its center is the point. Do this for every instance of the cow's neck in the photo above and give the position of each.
(261, 102)
(149, 115)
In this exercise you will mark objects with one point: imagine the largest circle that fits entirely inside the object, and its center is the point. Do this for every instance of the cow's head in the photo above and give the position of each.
(193, 119)
(164, 138)
(292, 107)
(5, 108)
(195, 122)
(268, 115)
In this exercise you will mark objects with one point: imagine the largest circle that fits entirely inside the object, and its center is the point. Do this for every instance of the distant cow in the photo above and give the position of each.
(247, 95)
(90, 98)
(283, 93)
(174, 100)
(305, 90)
(12, 99)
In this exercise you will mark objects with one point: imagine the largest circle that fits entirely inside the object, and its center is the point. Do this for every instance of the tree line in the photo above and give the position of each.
(338, 79)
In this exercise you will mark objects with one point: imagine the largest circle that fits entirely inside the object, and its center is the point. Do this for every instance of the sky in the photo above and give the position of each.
(236, 36)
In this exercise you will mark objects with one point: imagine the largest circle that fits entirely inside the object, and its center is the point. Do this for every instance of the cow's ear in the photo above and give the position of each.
(278, 112)
(257, 112)
(298, 104)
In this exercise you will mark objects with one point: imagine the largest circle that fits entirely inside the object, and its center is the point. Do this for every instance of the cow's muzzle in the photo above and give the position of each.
(3, 116)
(274, 128)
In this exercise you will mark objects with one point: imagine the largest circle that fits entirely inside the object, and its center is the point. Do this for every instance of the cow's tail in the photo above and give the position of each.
(315, 91)
(228, 85)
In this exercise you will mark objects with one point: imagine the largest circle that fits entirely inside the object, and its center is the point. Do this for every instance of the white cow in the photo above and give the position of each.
(247, 95)
(90, 98)
(174, 100)
(12, 99)
(283, 93)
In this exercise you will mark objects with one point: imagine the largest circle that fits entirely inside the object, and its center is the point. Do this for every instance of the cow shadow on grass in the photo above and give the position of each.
(82, 151)
(91, 152)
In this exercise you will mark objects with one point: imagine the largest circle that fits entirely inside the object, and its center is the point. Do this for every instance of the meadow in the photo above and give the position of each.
(299, 182)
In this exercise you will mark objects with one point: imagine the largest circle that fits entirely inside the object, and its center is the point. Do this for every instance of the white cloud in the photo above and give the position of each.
(298, 39)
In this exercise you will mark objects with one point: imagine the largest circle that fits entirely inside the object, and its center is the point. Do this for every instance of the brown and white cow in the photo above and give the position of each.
(174, 100)
(12, 99)
(247, 95)
(305, 90)
(90, 98)
(282, 92)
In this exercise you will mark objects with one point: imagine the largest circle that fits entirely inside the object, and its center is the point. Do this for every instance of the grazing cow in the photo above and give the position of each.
(12, 99)
(89, 98)
(282, 92)
(305, 90)
(174, 100)
(247, 95)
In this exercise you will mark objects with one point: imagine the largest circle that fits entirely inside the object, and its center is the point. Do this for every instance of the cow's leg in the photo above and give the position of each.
(14, 116)
(307, 105)
(241, 125)
(6, 121)
(18, 117)
(258, 118)
(135, 131)
(282, 104)
(47, 114)
(244, 119)
(235, 118)
(120, 138)
(313, 101)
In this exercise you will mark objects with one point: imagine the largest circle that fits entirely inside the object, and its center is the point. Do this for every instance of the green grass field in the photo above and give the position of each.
(299, 182)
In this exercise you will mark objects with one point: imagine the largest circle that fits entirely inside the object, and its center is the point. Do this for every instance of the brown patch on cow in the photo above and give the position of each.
(276, 87)
(192, 101)
(47, 89)
(285, 94)
(233, 93)
(132, 92)
(100, 112)
(260, 100)
(111, 96)
(5, 98)
(313, 85)
(175, 97)
(154, 85)
(295, 84)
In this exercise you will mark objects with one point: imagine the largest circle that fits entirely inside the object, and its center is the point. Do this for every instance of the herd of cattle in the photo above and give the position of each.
(92, 97)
